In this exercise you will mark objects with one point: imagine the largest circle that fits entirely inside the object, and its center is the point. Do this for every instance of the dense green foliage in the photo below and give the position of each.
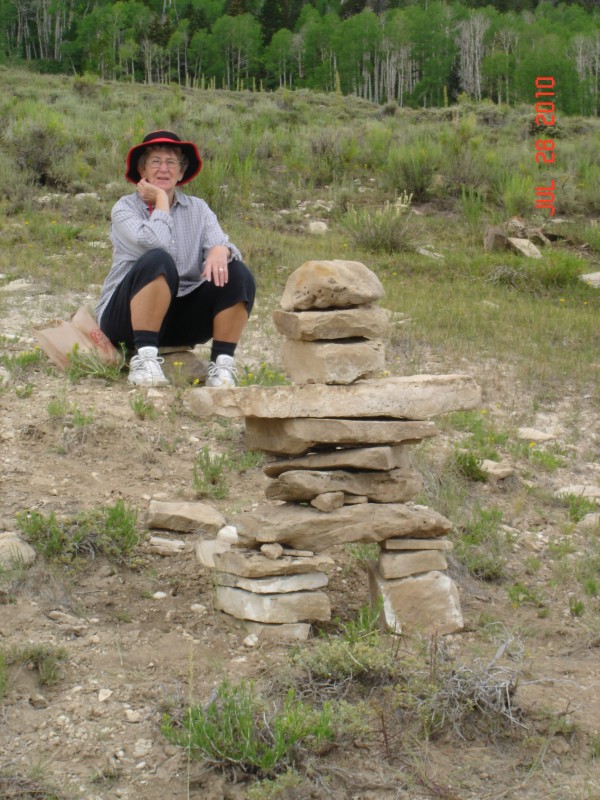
(413, 52)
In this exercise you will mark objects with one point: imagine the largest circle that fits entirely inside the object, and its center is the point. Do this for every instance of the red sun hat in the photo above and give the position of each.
(164, 138)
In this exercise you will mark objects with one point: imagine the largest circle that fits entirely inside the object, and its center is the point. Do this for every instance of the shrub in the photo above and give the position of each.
(383, 230)
(239, 727)
(413, 168)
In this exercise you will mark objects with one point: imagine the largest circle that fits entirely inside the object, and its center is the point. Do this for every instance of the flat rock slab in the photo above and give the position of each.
(402, 564)
(330, 284)
(305, 527)
(332, 362)
(417, 544)
(184, 517)
(592, 279)
(395, 486)
(298, 436)
(588, 491)
(287, 608)
(524, 247)
(277, 584)
(251, 564)
(285, 632)
(426, 603)
(368, 321)
(415, 397)
(375, 458)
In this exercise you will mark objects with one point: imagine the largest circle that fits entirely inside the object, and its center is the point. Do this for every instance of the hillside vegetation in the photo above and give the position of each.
(117, 678)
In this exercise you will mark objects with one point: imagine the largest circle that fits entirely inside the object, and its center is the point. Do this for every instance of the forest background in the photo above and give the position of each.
(416, 53)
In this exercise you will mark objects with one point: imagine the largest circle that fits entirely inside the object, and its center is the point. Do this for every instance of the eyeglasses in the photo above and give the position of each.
(171, 163)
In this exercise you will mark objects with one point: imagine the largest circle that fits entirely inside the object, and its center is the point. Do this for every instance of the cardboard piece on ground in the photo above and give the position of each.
(81, 331)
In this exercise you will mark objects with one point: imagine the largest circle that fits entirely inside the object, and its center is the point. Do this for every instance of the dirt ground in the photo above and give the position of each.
(96, 733)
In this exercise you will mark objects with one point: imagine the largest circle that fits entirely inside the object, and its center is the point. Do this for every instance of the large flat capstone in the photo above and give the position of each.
(306, 527)
(416, 397)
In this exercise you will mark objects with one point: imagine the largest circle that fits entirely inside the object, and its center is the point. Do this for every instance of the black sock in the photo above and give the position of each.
(145, 339)
(222, 349)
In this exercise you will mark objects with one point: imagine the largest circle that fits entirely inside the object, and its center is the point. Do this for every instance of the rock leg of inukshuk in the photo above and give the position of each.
(340, 439)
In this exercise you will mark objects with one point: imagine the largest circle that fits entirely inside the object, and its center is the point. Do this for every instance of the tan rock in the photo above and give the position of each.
(276, 584)
(272, 551)
(330, 284)
(298, 436)
(251, 564)
(305, 527)
(292, 607)
(395, 486)
(375, 458)
(592, 279)
(534, 435)
(368, 321)
(290, 632)
(332, 362)
(184, 517)
(415, 397)
(588, 491)
(524, 247)
(497, 470)
(355, 499)
(427, 603)
(15, 550)
(328, 501)
(401, 564)
(417, 544)
(206, 549)
(165, 547)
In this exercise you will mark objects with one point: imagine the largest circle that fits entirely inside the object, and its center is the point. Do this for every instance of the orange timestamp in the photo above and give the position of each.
(545, 115)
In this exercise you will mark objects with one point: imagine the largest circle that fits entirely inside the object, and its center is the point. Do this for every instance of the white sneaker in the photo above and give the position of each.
(145, 369)
(222, 372)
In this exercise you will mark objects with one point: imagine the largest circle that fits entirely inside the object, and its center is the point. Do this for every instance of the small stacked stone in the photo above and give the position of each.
(332, 326)
(340, 442)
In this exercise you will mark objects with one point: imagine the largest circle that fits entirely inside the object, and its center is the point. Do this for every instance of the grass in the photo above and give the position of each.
(109, 531)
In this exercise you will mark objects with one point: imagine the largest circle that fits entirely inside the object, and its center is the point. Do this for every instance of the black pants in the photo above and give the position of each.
(189, 319)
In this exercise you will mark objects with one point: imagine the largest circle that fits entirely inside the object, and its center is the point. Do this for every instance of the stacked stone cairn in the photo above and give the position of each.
(341, 471)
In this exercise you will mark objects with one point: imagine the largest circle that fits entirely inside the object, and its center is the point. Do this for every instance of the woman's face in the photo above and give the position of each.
(162, 167)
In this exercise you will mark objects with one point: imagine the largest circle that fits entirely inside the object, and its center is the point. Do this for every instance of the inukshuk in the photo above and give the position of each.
(341, 469)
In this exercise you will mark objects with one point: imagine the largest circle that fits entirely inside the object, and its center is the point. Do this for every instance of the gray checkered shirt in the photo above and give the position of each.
(187, 233)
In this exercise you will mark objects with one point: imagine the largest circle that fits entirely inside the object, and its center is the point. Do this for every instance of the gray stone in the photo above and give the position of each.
(417, 544)
(368, 321)
(251, 564)
(292, 607)
(495, 239)
(184, 517)
(332, 362)
(427, 603)
(330, 284)
(374, 458)
(395, 486)
(305, 527)
(15, 550)
(290, 632)
(298, 436)
(415, 397)
(206, 549)
(401, 564)
(276, 584)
